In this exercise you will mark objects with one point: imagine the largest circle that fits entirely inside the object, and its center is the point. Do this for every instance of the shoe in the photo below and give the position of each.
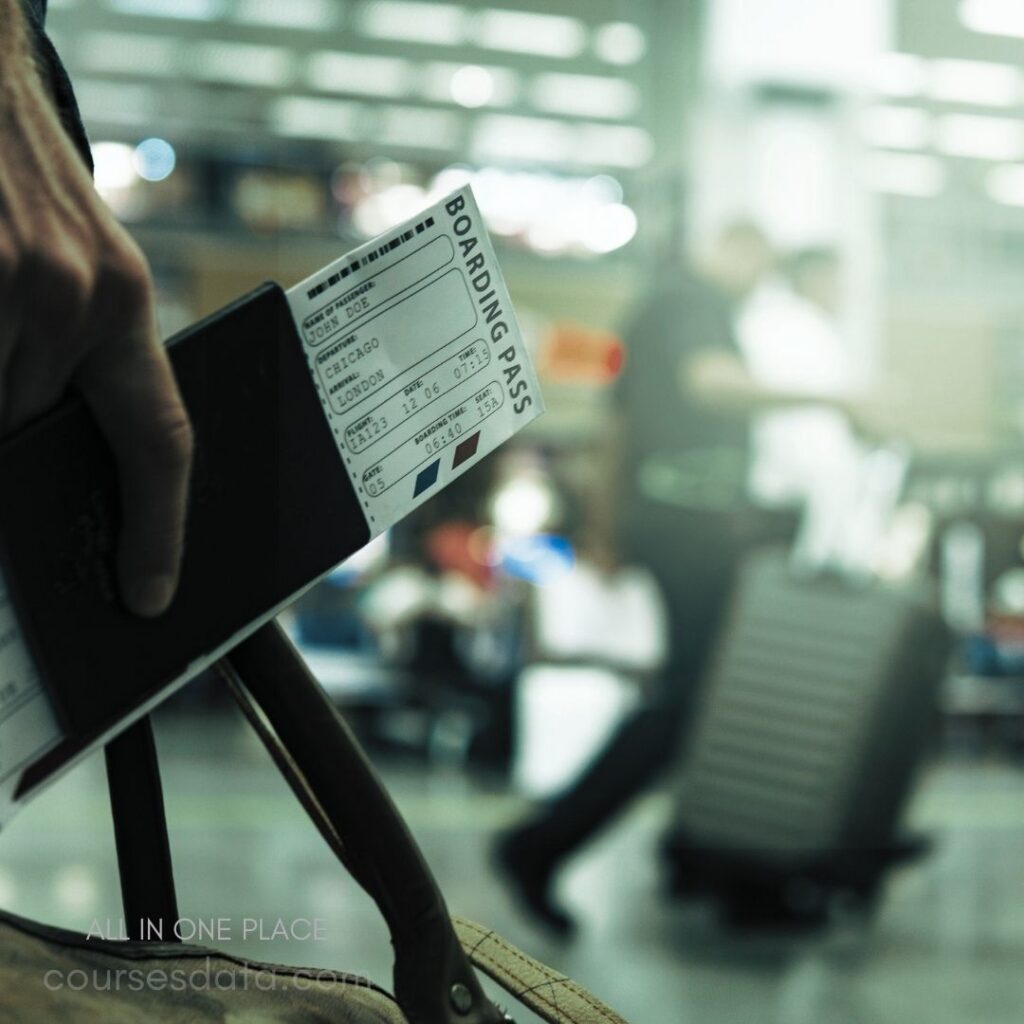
(530, 878)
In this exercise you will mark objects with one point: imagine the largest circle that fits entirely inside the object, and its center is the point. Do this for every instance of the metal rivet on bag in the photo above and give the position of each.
(462, 998)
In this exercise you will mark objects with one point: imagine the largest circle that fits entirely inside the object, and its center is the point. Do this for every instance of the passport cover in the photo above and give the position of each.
(271, 509)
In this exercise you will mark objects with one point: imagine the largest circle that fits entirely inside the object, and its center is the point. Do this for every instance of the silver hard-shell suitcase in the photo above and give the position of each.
(815, 712)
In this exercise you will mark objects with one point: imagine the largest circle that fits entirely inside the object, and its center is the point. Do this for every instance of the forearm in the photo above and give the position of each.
(34, 87)
(16, 51)
(749, 398)
(24, 82)
(722, 382)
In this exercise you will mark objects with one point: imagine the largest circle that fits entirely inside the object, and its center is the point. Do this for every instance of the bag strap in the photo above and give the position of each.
(342, 793)
(140, 831)
(553, 996)
(434, 982)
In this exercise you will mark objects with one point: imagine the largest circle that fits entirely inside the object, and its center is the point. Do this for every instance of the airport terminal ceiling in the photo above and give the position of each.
(376, 76)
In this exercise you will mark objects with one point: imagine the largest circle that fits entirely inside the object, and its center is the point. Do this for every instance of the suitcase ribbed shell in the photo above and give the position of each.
(811, 708)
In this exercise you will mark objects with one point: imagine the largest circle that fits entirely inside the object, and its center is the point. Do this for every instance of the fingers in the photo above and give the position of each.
(126, 380)
(76, 306)
(11, 312)
(69, 318)
(57, 292)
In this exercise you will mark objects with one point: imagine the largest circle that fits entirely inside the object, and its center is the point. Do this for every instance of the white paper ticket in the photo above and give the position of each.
(28, 726)
(421, 371)
(417, 356)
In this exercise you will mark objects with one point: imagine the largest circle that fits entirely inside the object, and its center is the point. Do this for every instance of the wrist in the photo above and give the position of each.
(17, 49)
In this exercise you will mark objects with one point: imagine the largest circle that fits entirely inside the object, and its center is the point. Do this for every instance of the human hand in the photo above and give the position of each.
(77, 311)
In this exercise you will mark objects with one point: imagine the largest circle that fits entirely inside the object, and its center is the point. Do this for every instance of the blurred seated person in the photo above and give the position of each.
(437, 614)
(686, 400)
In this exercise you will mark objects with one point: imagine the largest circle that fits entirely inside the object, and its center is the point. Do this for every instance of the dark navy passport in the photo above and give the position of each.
(271, 509)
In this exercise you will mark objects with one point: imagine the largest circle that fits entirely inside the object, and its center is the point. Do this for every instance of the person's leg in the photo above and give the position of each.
(695, 581)
(530, 854)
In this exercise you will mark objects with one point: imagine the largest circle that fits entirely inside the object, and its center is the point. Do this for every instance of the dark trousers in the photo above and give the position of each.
(694, 559)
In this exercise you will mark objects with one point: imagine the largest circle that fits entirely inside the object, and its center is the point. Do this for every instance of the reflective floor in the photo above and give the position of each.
(946, 948)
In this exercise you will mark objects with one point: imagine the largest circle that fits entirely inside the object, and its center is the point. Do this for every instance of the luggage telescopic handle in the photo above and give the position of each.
(433, 980)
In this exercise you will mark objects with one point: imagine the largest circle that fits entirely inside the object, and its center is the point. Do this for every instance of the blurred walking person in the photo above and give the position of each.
(683, 478)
